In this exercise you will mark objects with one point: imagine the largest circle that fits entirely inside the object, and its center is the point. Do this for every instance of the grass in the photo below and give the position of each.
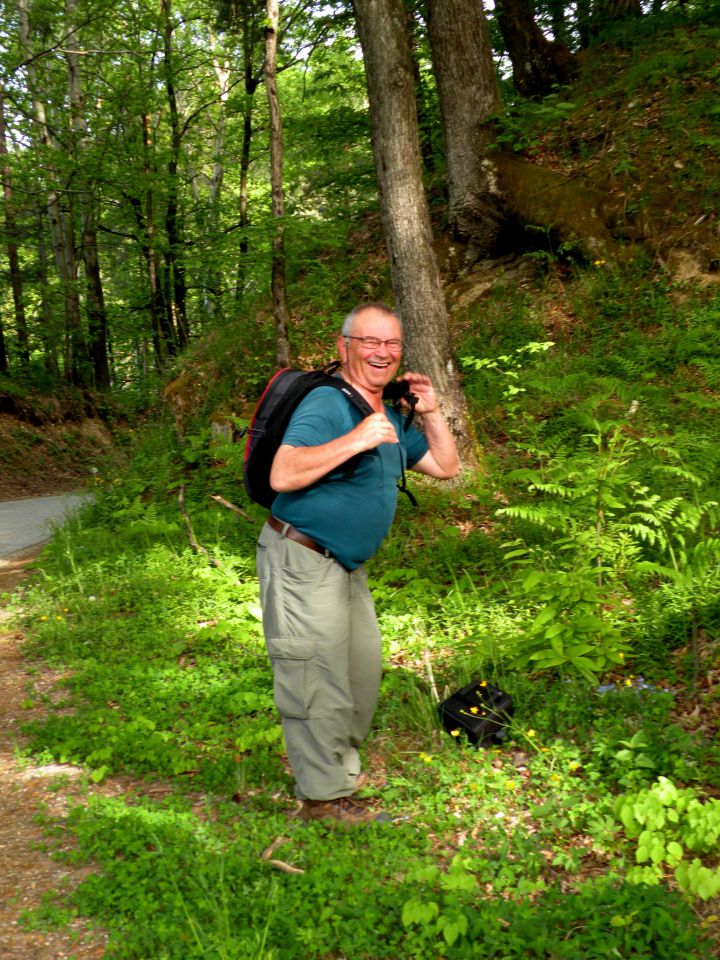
(496, 852)
(499, 852)
(580, 571)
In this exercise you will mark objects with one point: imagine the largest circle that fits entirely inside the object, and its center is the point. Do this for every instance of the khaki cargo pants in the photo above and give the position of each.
(324, 645)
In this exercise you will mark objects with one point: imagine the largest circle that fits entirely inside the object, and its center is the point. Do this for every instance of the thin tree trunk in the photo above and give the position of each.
(244, 170)
(163, 338)
(47, 334)
(279, 293)
(405, 215)
(11, 235)
(60, 220)
(213, 277)
(251, 84)
(96, 316)
(177, 286)
(4, 366)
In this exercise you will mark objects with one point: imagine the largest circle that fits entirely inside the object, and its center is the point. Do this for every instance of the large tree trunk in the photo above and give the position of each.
(469, 99)
(538, 64)
(405, 215)
(279, 297)
(11, 240)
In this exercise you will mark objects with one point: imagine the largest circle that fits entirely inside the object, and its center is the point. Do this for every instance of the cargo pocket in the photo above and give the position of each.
(294, 674)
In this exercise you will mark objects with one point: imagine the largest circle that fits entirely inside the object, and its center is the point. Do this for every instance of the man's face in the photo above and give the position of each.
(372, 366)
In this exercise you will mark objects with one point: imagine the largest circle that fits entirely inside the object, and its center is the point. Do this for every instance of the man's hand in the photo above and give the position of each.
(441, 460)
(423, 389)
(374, 430)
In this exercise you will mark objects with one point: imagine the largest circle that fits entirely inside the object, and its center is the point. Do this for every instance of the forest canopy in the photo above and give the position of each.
(136, 147)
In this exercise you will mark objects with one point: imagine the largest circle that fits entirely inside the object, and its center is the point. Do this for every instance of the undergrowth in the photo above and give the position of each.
(574, 574)
(579, 571)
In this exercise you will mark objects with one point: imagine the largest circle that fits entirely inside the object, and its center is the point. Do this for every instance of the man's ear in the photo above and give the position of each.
(342, 348)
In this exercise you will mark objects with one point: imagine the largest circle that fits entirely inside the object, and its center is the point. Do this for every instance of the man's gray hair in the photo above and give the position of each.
(346, 329)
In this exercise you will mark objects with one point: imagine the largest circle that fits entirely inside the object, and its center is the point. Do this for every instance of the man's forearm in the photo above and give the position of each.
(297, 467)
(443, 449)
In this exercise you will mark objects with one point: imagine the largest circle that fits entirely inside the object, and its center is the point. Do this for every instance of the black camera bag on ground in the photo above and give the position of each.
(480, 710)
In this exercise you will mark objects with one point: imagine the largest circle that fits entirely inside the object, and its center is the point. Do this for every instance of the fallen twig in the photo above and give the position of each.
(197, 547)
(267, 856)
(231, 506)
(430, 675)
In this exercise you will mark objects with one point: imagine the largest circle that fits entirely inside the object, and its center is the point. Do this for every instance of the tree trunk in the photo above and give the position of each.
(469, 99)
(47, 333)
(405, 215)
(250, 33)
(583, 18)
(4, 366)
(11, 239)
(538, 64)
(60, 218)
(558, 19)
(279, 296)
(177, 286)
(244, 170)
(608, 10)
(213, 273)
(96, 316)
(163, 336)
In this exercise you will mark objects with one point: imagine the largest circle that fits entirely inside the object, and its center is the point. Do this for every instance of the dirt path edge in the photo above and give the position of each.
(28, 873)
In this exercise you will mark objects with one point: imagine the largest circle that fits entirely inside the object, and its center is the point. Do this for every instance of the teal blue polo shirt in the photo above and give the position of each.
(349, 511)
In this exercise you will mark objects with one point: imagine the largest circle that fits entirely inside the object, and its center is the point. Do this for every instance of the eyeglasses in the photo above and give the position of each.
(372, 343)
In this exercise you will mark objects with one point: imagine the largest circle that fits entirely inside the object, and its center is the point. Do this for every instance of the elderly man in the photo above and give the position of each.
(336, 476)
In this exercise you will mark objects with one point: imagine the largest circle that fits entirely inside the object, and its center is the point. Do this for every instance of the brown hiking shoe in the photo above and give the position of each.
(362, 780)
(345, 810)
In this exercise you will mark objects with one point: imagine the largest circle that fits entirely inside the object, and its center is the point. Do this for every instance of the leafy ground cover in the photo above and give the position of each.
(579, 572)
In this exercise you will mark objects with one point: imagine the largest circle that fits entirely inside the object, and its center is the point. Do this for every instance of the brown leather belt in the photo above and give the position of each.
(292, 534)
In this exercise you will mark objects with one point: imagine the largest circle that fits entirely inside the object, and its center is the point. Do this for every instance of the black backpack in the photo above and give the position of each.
(275, 407)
